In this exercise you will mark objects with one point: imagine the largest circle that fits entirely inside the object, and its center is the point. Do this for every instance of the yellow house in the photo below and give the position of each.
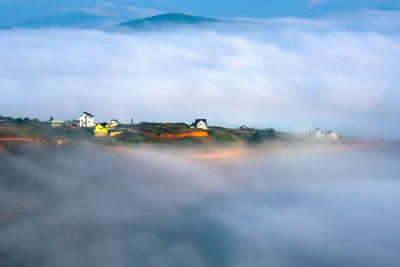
(333, 135)
(101, 129)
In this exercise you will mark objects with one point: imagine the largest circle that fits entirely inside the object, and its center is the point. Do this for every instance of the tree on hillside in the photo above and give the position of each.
(256, 138)
(271, 133)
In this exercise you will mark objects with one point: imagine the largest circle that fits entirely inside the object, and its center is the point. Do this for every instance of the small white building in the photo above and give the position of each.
(318, 133)
(200, 124)
(114, 123)
(86, 120)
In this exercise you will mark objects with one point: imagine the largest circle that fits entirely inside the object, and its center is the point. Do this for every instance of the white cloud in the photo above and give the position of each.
(124, 12)
(141, 12)
(108, 5)
(289, 77)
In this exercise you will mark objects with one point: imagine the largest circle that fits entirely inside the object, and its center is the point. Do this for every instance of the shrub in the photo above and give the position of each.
(256, 138)
(271, 133)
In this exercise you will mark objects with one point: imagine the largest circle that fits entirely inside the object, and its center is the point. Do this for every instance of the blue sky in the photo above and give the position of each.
(13, 11)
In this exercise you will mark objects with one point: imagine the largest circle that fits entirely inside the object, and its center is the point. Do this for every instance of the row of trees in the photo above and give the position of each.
(21, 120)
(259, 136)
(248, 129)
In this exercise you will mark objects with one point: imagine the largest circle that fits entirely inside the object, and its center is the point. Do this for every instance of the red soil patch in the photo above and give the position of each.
(182, 135)
(179, 135)
(150, 134)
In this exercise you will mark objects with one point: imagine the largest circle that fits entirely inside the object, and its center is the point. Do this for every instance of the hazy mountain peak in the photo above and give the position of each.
(168, 19)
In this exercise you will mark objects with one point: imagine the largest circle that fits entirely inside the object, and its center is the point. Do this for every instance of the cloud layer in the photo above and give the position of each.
(290, 74)
(306, 208)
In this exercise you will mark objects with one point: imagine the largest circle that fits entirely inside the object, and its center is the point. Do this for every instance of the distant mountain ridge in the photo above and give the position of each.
(167, 19)
(83, 20)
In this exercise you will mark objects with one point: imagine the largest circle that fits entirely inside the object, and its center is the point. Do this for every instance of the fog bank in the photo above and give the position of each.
(91, 207)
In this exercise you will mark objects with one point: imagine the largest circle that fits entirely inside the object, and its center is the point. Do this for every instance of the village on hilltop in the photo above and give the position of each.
(198, 132)
(86, 120)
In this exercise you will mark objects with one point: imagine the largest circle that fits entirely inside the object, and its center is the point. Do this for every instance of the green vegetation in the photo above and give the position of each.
(270, 133)
(256, 138)
(22, 120)
(129, 138)
(191, 141)
(225, 139)
(36, 129)
(159, 128)
(20, 131)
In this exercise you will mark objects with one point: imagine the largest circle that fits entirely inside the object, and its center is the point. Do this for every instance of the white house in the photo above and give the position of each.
(86, 120)
(199, 123)
(318, 133)
(114, 123)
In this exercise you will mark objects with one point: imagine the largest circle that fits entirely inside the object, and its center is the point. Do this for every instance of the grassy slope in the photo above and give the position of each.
(217, 135)
(41, 130)
(134, 134)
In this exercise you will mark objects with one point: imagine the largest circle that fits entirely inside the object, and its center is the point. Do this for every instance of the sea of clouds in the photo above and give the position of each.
(85, 206)
(337, 72)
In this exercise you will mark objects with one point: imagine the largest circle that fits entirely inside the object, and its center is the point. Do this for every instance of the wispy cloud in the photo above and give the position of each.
(313, 3)
(120, 11)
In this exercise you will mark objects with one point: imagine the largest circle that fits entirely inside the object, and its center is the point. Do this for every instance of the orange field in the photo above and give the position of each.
(179, 135)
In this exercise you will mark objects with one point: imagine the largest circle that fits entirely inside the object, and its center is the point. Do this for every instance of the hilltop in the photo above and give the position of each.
(16, 134)
(141, 133)
(167, 19)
